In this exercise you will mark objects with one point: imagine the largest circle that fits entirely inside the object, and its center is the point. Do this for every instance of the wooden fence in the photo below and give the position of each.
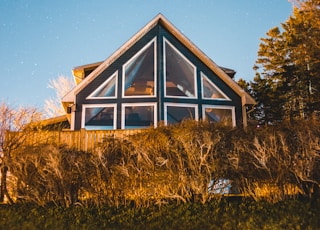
(86, 140)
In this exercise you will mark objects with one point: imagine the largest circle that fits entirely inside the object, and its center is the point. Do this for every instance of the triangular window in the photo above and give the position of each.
(107, 89)
(180, 73)
(139, 73)
(210, 90)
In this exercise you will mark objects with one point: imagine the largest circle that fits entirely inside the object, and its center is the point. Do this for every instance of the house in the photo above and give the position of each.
(158, 75)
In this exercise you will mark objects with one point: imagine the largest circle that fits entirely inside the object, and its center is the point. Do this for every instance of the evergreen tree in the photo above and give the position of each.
(270, 81)
(302, 32)
(287, 85)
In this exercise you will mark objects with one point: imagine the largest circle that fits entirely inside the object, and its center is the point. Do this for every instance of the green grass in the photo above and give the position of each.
(228, 213)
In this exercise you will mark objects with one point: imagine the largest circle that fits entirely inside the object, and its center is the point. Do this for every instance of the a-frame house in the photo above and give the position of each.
(157, 75)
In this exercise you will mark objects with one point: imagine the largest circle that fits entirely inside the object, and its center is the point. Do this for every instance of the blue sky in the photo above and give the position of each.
(40, 40)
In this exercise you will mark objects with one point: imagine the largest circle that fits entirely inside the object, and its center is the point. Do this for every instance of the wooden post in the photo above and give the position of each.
(83, 140)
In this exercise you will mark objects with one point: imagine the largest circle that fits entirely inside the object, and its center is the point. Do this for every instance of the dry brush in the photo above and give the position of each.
(173, 163)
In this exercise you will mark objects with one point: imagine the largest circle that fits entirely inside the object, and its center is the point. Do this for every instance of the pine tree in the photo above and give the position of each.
(270, 81)
(288, 65)
(302, 33)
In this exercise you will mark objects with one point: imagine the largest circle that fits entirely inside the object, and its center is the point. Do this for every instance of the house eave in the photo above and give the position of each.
(79, 71)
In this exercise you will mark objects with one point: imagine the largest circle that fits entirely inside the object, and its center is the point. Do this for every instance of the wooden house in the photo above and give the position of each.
(158, 75)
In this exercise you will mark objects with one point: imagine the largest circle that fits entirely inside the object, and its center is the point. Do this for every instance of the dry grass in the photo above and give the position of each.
(174, 163)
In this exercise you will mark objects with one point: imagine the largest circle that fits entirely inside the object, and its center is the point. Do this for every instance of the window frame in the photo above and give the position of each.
(115, 74)
(83, 114)
(154, 41)
(123, 112)
(232, 108)
(191, 105)
(203, 76)
(165, 40)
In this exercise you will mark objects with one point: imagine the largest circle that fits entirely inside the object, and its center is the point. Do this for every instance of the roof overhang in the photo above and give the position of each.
(80, 71)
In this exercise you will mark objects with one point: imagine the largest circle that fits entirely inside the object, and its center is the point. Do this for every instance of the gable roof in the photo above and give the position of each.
(70, 97)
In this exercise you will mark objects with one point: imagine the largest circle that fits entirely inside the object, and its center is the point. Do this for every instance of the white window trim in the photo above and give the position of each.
(85, 106)
(232, 108)
(154, 41)
(226, 98)
(195, 106)
(115, 74)
(123, 110)
(165, 71)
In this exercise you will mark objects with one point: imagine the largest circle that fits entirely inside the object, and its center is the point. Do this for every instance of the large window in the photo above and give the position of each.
(108, 89)
(175, 113)
(221, 114)
(180, 73)
(140, 115)
(101, 117)
(139, 73)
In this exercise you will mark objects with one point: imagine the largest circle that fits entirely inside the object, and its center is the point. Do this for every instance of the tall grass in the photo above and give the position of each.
(217, 214)
(173, 163)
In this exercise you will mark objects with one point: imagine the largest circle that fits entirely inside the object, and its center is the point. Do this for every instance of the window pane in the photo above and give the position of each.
(180, 74)
(219, 115)
(176, 114)
(107, 89)
(99, 118)
(139, 74)
(210, 91)
(139, 116)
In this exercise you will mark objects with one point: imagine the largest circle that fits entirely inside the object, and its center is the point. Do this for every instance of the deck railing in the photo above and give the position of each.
(85, 140)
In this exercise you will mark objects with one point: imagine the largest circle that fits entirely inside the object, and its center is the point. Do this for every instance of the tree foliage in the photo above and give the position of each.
(16, 120)
(62, 85)
(287, 82)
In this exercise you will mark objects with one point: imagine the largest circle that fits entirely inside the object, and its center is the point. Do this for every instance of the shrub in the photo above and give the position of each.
(173, 163)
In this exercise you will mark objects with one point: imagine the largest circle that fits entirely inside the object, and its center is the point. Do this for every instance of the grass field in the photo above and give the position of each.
(231, 213)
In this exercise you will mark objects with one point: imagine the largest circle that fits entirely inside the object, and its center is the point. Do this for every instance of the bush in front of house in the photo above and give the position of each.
(174, 163)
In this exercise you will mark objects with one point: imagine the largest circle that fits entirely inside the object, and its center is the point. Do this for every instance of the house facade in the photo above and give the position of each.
(159, 75)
